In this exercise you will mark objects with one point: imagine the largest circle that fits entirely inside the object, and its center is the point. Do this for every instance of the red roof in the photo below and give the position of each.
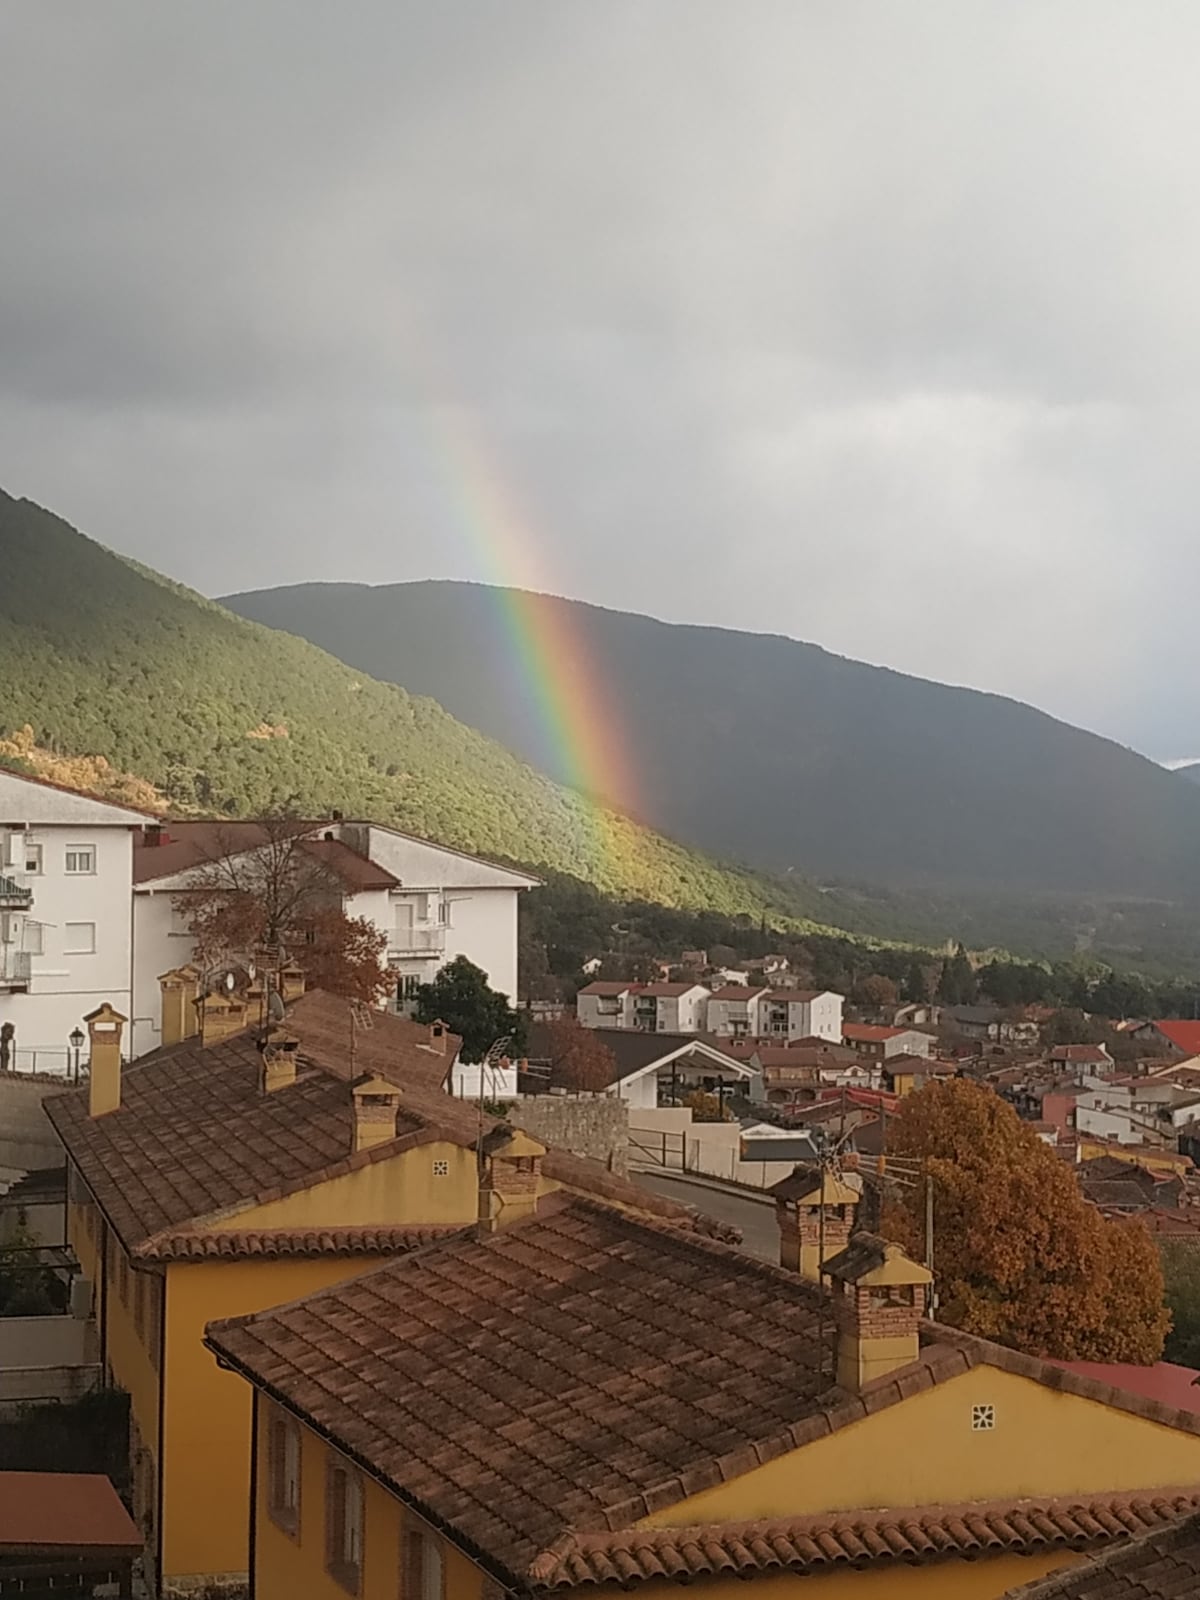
(72, 1510)
(798, 996)
(1170, 1385)
(866, 1033)
(1183, 1035)
(667, 991)
(610, 989)
(1081, 1053)
(738, 991)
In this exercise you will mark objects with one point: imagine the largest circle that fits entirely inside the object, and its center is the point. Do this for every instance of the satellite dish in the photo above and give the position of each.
(276, 1009)
(229, 981)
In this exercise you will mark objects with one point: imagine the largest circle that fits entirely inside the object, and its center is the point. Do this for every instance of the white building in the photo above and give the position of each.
(737, 1011)
(66, 866)
(434, 903)
(648, 1007)
(802, 1014)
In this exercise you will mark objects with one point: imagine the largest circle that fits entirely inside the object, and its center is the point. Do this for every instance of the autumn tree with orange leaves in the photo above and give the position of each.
(274, 898)
(1020, 1256)
(577, 1058)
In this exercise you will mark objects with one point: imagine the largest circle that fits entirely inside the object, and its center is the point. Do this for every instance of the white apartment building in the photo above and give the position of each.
(434, 904)
(735, 1011)
(66, 941)
(802, 1014)
(648, 1007)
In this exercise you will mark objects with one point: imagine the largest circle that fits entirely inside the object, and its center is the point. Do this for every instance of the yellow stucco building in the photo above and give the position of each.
(211, 1180)
(571, 1396)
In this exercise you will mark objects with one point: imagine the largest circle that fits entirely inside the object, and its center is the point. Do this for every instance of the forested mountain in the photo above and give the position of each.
(784, 755)
(101, 657)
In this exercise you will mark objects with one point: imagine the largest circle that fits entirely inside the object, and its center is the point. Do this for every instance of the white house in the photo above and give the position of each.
(647, 1007)
(802, 1014)
(66, 867)
(736, 1011)
(434, 903)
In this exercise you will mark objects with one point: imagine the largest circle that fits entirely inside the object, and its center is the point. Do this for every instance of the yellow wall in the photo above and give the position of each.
(1169, 1161)
(288, 1566)
(207, 1411)
(129, 1359)
(923, 1452)
(400, 1189)
(985, 1579)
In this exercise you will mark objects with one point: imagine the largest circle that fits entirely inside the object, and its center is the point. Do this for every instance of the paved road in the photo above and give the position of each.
(756, 1218)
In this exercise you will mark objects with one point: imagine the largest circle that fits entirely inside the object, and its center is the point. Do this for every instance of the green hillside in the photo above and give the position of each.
(100, 656)
(791, 758)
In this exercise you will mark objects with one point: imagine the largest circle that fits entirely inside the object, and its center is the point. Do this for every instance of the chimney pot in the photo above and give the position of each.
(510, 1182)
(376, 1102)
(879, 1301)
(104, 1026)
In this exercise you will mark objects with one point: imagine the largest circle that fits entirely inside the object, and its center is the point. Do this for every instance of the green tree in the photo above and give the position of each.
(957, 985)
(461, 997)
(916, 984)
(1021, 1257)
(1181, 1273)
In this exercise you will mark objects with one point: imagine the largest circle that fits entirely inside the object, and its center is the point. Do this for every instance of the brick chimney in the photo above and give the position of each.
(805, 1240)
(439, 1033)
(376, 1102)
(104, 1026)
(178, 989)
(510, 1178)
(879, 1299)
(278, 1049)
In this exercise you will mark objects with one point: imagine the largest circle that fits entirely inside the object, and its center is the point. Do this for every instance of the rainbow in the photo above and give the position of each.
(552, 668)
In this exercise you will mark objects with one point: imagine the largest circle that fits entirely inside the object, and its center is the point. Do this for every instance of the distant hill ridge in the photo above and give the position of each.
(784, 755)
(101, 657)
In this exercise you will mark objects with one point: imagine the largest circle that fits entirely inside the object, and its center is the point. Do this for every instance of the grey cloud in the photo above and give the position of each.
(869, 324)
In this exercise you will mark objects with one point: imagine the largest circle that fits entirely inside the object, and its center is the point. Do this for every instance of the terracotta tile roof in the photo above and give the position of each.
(575, 1373)
(577, 1369)
(832, 1541)
(868, 1033)
(1163, 1564)
(739, 991)
(1076, 1053)
(277, 1243)
(195, 1137)
(356, 871)
(186, 844)
(72, 1510)
(1184, 1036)
(1173, 1385)
(668, 991)
(406, 1053)
(798, 996)
(607, 989)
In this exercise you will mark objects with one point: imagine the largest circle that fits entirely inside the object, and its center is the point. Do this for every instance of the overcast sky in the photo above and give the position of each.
(872, 324)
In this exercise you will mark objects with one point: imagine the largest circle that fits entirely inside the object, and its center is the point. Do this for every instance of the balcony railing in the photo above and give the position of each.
(14, 896)
(16, 968)
(417, 942)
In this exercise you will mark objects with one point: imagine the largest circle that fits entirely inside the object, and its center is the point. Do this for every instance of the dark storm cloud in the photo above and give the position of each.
(864, 323)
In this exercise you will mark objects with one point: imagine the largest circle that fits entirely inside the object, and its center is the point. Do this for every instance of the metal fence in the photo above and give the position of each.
(47, 1063)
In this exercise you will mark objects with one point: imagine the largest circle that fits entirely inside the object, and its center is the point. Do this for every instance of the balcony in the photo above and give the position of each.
(16, 968)
(14, 896)
(416, 943)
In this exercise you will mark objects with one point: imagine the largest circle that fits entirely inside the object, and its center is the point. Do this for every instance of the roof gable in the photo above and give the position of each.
(40, 803)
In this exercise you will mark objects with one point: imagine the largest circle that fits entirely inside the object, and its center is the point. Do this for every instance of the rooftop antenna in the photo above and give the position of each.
(496, 1052)
(360, 1019)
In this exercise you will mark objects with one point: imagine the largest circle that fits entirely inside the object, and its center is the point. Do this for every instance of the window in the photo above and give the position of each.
(283, 1471)
(33, 857)
(33, 939)
(424, 1572)
(444, 913)
(344, 1526)
(79, 939)
(81, 858)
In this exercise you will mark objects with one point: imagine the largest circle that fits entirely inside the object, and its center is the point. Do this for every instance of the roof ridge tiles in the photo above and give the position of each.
(818, 1541)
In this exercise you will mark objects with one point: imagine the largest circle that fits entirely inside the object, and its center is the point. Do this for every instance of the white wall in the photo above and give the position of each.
(161, 942)
(642, 1092)
(65, 986)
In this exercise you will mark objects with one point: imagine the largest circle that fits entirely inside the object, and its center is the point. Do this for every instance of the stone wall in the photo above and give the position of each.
(586, 1125)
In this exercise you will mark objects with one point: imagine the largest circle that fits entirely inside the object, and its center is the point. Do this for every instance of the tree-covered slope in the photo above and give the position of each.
(101, 657)
(782, 754)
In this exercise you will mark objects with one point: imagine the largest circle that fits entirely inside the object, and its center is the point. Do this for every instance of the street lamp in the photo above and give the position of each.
(76, 1043)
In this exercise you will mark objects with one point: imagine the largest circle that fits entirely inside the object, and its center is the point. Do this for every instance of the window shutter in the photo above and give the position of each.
(412, 1587)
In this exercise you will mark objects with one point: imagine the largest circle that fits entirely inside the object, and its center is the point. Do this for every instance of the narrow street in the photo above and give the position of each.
(756, 1218)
